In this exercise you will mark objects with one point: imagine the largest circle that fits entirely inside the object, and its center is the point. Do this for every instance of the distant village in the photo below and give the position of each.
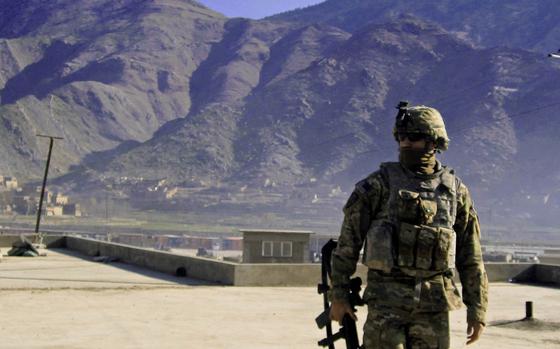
(24, 199)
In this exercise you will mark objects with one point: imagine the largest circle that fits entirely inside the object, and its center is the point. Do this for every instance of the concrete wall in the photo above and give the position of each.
(264, 274)
(194, 267)
(503, 272)
(547, 274)
(267, 274)
(310, 274)
(52, 241)
(550, 259)
(226, 273)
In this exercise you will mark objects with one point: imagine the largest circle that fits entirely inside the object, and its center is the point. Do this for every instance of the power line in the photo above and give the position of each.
(456, 92)
(473, 86)
(510, 116)
(534, 109)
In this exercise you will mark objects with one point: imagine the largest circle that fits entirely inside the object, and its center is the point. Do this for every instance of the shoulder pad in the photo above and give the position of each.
(371, 183)
(361, 191)
(363, 187)
(387, 170)
(389, 165)
(351, 201)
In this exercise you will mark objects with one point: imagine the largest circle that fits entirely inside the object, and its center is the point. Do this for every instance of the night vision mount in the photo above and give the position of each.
(403, 114)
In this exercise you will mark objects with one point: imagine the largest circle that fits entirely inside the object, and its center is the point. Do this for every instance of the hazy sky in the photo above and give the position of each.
(255, 8)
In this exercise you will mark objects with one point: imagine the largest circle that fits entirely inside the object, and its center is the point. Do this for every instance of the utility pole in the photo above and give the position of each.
(39, 236)
(107, 188)
(107, 208)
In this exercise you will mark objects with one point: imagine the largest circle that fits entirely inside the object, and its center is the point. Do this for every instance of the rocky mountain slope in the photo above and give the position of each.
(96, 73)
(244, 113)
(329, 124)
(494, 23)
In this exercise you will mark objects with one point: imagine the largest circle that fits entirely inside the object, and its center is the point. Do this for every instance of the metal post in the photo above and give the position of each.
(38, 235)
(528, 310)
(108, 233)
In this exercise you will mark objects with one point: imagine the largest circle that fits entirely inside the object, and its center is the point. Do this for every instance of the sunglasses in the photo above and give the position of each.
(413, 137)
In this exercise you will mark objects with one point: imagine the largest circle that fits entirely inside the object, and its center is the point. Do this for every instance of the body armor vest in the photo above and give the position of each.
(413, 230)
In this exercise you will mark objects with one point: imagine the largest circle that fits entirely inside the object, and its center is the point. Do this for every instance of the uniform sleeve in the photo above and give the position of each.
(469, 261)
(358, 212)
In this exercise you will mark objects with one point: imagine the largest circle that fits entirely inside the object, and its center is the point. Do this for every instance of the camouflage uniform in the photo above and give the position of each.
(410, 291)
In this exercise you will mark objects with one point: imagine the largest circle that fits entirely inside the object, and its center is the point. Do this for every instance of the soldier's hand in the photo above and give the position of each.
(474, 331)
(339, 309)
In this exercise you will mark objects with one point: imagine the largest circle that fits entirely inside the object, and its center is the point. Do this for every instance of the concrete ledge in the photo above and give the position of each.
(277, 274)
(51, 241)
(504, 272)
(547, 274)
(229, 273)
(550, 259)
(198, 268)
(310, 274)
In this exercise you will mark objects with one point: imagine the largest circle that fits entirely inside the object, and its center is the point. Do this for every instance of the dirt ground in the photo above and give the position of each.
(62, 301)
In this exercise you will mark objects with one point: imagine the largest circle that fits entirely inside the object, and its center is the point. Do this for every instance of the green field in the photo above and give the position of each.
(154, 222)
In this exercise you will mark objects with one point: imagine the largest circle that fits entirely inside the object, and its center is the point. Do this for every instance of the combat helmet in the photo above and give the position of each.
(421, 119)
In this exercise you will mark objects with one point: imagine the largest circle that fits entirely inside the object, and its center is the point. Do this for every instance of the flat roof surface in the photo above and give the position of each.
(68, 301)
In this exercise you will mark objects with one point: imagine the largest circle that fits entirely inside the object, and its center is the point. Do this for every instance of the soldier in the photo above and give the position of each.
(418, 224)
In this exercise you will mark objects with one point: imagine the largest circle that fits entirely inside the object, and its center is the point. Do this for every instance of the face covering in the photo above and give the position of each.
(418, 160)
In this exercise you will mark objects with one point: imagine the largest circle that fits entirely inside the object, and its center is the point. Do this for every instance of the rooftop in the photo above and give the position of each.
(67, 300)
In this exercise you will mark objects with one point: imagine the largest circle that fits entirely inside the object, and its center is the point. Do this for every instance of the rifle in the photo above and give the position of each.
(348, 330)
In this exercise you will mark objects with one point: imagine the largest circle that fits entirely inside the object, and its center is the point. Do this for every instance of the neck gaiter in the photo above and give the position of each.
(418, 161)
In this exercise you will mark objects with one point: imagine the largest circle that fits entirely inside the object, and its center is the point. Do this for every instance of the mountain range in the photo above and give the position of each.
(523, 24)
(291, 109)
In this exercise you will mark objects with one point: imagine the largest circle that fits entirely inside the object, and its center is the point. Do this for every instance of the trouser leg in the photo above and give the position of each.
(429, 331)
(383, 330)
(392, 329)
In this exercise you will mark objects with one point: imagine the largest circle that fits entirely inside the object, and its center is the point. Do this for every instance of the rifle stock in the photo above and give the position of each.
(348, 329)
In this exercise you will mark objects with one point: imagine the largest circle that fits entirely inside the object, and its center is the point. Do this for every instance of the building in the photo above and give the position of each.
(54, 211)
(500, 257)
(551, 256)
(61, 199)
(140, 240)
(25, 205)
(10, 183)
(275, 246)
(196, 242)
(170, 193)
(72, 210)
(6, 201)
(232, 243)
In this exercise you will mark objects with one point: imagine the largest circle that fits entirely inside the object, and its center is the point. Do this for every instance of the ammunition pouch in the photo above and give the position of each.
(413, 234)
(378, 253)
(414, 209)
(413, 248)
(423, 247)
